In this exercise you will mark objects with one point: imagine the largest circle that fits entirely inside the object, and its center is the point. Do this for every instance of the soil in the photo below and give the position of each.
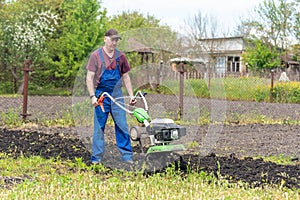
(230, 159)
(230, 152)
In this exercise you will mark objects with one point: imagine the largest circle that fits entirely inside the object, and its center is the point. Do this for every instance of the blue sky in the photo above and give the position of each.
(176, 12)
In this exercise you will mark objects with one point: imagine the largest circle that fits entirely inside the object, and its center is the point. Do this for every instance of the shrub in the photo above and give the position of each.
(7, 88)
(286, 92)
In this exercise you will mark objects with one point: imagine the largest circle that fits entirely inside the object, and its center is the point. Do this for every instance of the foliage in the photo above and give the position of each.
(296, 27)
(6, 88)
(279, 159)
(275, 29)
(132, 20)
(82, 112)
(260, 57)
(48, 90)
(77, 28)
(286, 92)
(80, 31)
(275, 22)
(58, 36)
(296, 51)
(25, 28)
(29, 35)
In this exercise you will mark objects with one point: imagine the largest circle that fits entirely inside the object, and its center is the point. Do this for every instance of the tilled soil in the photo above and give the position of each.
(230, 158)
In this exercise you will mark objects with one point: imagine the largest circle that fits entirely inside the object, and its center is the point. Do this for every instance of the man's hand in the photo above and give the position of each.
(94, 101)
(132, 101)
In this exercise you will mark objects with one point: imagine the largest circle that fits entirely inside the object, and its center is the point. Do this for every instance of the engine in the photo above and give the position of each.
(159, 130)
(165, 130)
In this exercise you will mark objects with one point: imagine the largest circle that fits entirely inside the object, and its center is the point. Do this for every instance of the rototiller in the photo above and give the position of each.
(161, 131)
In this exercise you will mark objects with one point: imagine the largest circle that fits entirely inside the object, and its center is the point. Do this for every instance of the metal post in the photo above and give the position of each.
(272, 85)
(160, 72)
(25, 90)
(208, 76)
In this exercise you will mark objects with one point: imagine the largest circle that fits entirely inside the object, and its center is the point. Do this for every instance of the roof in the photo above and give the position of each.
(230, 44)
(139, 47)
(187, 60)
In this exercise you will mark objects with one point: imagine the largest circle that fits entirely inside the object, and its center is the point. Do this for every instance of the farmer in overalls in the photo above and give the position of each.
(106, 69)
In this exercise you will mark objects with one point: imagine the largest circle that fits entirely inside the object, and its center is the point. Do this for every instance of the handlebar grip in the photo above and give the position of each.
(100, 102)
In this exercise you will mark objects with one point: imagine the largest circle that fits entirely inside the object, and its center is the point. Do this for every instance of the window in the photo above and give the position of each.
(221, 61)
(233, 64)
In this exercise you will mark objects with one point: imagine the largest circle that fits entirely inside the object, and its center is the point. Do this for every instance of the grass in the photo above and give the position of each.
(229, 88)
(280, 159)
(245, 89)
(49, 179)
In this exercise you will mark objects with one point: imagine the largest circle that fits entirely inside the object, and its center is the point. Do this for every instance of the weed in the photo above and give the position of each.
(11, 118)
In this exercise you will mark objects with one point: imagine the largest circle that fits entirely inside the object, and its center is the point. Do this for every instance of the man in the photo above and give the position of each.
(106, 69)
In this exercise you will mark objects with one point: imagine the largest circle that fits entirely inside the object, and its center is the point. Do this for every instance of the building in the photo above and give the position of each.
(224, 55)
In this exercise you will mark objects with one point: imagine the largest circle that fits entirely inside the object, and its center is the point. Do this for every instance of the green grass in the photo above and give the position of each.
(49, 179)
(281, 160)
(231, 89)
(11, 119)
(244, 88)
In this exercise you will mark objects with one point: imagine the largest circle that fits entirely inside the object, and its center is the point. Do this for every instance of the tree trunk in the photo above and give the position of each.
(21, 87)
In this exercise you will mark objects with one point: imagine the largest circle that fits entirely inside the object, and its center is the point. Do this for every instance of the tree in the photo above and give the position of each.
(296, 24)
(25, 30)
(131, 20)
(273, 22)
(201, 27)
(260, 57)
(81, 29)
(205, 41)
(273, 31)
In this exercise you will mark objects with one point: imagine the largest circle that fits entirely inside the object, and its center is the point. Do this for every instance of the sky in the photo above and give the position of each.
(176, 13)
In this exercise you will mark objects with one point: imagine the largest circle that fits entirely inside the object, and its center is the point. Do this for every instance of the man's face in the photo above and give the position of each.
(111, 42)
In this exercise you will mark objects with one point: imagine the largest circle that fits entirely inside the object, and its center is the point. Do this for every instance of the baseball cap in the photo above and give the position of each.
(112, 33)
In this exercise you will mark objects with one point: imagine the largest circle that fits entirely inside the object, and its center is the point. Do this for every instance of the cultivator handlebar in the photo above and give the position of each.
(141, 114)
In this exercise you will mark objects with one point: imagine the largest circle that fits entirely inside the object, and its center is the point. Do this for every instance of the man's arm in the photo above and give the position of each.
(90, 87)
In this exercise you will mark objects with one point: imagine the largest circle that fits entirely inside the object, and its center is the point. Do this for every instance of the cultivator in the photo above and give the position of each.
(160, 131)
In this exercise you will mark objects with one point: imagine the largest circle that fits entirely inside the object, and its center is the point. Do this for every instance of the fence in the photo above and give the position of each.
(172, 104)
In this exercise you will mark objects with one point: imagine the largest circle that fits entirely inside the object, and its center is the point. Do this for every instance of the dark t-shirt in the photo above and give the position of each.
(94, 64)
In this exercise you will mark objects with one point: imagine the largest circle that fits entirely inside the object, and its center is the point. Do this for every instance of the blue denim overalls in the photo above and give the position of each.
(110, 82)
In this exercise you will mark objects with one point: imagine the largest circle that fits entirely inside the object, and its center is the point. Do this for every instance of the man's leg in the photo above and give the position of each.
(98, 143)
(122, 135)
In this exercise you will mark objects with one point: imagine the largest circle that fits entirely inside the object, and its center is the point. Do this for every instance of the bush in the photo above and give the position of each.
(7, 88)
(286, 92)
